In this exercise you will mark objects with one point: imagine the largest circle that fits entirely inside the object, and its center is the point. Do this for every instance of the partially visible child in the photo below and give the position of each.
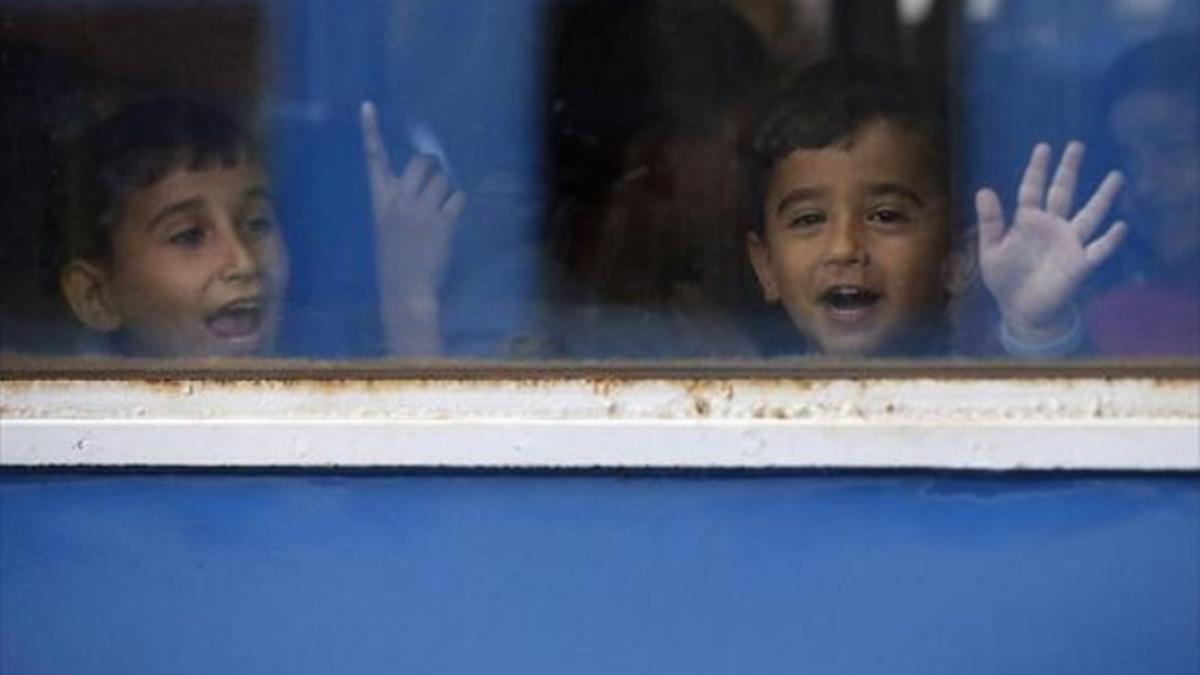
(642, 235)
(854, 231)
(1151, 104)
(174, 246)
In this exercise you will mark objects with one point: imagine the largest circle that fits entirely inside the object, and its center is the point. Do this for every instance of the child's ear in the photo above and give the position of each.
(960, 267)
(85, 287)
(760, 259)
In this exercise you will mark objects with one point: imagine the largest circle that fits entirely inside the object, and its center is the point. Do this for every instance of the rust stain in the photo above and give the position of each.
(777, 412)
(604, 387)
(702, 396)
(794, 374)
(719, 388)
(726, 388)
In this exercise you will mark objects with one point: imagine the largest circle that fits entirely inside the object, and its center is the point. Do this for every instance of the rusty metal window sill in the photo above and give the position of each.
(756, 416)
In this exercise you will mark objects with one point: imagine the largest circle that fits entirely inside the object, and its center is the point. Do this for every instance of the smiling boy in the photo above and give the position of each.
(852, 215)
(855, 242)
(853, 230)
(175, 249)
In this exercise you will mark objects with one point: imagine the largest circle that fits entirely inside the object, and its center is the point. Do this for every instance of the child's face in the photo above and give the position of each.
(198, 267)
(1158, 134)
(856, 240)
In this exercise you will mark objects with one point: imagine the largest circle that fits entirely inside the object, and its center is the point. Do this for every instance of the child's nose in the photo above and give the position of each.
(846, 242)
(240, 261)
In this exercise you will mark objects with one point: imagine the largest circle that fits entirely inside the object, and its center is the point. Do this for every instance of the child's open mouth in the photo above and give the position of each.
(849, 302)
(237, 320)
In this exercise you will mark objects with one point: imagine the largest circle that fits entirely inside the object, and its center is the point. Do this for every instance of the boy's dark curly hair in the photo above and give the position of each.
(828, 103)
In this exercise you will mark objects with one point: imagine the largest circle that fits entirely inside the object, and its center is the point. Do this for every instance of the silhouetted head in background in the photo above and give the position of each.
(1152, 105)
(645, 104)
(645, 100)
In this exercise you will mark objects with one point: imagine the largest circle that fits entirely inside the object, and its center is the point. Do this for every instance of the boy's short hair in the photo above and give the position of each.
(136, 148)
(831, 101)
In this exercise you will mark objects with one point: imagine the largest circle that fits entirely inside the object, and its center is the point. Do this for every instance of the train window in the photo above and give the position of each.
(565, 180)
(620, 335)
(321, 203)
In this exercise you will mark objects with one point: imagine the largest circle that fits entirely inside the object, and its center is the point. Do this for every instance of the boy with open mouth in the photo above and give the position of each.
(173, 246)
(852, 221)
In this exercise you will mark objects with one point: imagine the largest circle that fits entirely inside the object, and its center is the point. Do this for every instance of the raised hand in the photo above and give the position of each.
(1035, 266)
(414, 218)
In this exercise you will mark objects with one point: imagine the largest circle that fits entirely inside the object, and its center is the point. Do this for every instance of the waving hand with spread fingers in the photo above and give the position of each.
(1035, 265)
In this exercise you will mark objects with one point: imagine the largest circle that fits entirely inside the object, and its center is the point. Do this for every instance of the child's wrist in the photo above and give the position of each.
(1042, 331)
(411, 326)
(1056, 338)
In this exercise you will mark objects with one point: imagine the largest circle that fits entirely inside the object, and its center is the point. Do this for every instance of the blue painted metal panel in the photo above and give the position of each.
(837, 573)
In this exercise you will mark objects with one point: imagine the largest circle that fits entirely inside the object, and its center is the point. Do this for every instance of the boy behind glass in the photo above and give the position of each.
(173, 247)
(853, 229)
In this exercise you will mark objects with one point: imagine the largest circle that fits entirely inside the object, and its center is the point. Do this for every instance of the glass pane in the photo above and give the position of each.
(602, 179)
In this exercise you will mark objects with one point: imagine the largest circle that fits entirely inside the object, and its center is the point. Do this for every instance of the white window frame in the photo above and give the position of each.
(698, 416)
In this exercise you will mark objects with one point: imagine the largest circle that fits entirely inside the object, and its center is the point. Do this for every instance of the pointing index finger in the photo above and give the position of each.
(378, 165)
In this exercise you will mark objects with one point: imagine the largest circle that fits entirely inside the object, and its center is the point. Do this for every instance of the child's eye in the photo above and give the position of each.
(806, 219)
(188, 238)
(888, 216)
(260, 225)
(260, 220)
